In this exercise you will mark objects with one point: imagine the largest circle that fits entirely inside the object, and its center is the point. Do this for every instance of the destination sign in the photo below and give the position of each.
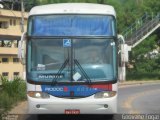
(71, 25)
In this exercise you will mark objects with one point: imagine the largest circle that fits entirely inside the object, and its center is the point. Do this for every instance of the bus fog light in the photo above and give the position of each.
(105, 106)
(105, 94)
(38, 106)
(35, 94)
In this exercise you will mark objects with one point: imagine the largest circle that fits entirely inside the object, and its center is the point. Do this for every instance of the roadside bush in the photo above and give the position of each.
(12, 92)
(5, 101)
(143, 76)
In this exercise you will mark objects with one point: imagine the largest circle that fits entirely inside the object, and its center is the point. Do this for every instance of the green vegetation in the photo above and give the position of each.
(11, 93)
(144, 65)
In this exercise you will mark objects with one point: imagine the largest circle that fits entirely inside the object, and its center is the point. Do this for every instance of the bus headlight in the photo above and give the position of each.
(35, 94)
(105, 94)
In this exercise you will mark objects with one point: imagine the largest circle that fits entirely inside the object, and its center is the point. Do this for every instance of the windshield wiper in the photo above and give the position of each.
(54, 81)
(82, 70)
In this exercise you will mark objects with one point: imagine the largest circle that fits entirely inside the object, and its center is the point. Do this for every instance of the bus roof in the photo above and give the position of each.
(73, 8)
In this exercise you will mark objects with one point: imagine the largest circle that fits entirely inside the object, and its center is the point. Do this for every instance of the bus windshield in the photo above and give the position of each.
(71, 60)
(71, 48)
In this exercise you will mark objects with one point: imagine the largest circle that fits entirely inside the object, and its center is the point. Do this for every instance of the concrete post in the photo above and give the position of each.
(122, 68)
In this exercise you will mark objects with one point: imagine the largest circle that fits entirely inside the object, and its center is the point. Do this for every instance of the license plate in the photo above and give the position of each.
(68, 111)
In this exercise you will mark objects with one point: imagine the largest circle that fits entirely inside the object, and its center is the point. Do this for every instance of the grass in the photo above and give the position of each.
(11, 93)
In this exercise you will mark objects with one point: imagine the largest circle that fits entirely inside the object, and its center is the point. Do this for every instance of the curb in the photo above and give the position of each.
(125, 83)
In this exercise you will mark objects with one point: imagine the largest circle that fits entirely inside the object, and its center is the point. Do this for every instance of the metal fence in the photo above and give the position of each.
(139, 29)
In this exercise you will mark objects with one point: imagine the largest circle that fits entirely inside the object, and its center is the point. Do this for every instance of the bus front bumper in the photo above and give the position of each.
(87, 105)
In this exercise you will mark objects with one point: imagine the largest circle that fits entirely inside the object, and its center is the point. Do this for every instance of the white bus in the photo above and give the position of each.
(71, 59)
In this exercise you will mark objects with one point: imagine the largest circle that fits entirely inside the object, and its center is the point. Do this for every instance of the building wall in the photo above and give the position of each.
(10, 33)
(11, 27)
(12, 20)
(10, 67)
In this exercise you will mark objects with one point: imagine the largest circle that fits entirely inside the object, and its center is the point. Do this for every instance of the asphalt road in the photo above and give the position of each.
(132, 99)
(139, 99)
